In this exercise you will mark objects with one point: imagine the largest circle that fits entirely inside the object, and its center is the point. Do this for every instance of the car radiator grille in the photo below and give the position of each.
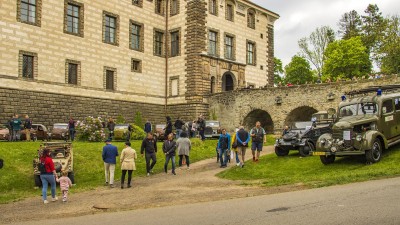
(338, 135)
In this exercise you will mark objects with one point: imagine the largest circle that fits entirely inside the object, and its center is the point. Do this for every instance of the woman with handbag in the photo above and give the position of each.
(48, 175)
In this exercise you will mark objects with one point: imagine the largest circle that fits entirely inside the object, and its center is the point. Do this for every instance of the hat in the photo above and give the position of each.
(108, 140)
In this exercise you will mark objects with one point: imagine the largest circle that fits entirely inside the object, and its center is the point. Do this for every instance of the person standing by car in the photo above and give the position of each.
(178, 126)
(111, 127)
(128, 156)
(224, 142)
(71, 128)
(242, 138)
(169, 149)
(128, 135)
(110, 153)
(147, 127)
(184, 146)
(201, 123)
(149, 148)
(16, 127)
(258, 138)
(168, 127)
(48, 175)
(28, 127)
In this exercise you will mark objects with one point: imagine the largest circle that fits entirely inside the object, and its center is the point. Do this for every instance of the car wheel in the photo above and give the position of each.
(327, 159)
(281, 151)
(375, 154)
(38, 181)
(71, 176)
(305, 150)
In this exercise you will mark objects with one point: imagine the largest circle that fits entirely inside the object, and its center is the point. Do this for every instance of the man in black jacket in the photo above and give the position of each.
(149, 147)
(169, 149)
(178, 126)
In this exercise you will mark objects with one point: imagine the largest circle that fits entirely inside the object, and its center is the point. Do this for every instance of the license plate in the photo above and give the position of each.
(318, 153)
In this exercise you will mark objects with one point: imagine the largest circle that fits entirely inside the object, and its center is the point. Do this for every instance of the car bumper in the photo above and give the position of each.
(341, 153)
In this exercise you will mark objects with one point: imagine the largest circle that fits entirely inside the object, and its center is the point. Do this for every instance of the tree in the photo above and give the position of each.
(313, 48)
(278, 70)
(346, 59)
(350, 25)
(373, 28)
(389, 51)
(298, 71)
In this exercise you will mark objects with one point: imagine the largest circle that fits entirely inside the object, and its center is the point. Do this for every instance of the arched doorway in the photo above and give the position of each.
(212, 85)
(259, 115)
(228, 81)
(303, 113)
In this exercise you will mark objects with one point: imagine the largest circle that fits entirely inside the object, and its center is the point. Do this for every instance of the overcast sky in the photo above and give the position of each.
(299, 18)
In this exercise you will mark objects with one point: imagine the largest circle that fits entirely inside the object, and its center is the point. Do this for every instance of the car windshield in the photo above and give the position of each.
(212, 124)
(320, 117)
(302, 125)
(366, 108)
(60, 126)
(121, 126)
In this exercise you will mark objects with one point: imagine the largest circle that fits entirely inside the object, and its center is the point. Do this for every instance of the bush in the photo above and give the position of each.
(120, 120)
(90, 129)
(138, 119)
(137, 133)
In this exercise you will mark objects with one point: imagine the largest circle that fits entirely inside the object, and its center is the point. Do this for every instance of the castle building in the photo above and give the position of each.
(117, 57)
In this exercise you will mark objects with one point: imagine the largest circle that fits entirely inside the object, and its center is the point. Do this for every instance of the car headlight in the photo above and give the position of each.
(333, 149)
(323, 141)
(359, 138)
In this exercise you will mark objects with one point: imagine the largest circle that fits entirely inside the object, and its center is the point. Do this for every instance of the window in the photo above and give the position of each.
(387, 106)
(109, 80)
(137, 3)
(212, 42)
(229, 47)
(251, 18)
(136, 65)
(158, 43)
(73, 23)
(72, 73)
(397, 104)
(174, 86)
(229, 12)
(174, 7)
(175, 43)
(136, 36)
(110, 28)
(213, 8)
(251, 49)
(27, 66)
(29, 11)
(159, 8)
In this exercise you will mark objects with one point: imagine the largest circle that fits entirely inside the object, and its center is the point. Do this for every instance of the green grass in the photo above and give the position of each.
(277, 171)
(271, 139)
(16, 177)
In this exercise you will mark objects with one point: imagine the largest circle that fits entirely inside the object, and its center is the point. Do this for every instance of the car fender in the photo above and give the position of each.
(369, 138)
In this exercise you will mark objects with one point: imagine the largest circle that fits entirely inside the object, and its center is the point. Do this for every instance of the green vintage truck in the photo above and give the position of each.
(367, 123)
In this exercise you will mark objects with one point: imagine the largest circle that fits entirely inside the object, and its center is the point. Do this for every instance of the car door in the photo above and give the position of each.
(397, 115)
(388, 117)
(40, 132)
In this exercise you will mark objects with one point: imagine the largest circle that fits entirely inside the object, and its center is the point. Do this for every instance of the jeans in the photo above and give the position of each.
(46, 180)
(109, 170)
(223, 156)
(129, 177)
(128, 136)
(172, 158)
(186, 158)
(72, 133)
(150, 156)
(16, 136)
(237, 157)
(201, 132)
(178, 133)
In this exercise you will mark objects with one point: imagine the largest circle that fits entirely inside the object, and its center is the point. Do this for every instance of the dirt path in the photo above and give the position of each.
(199, 184)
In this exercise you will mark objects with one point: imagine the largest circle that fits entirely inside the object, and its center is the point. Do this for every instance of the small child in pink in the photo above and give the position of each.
(65, 184)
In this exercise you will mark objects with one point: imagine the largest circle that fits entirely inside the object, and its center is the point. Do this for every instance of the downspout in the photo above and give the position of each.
(166, 56)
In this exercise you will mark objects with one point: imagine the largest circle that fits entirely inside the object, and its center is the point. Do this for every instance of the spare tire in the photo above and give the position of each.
(58, 167)
(289, 136)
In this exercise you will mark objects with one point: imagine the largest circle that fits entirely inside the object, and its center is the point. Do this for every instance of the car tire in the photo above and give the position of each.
(375, 154)
(281, 151)
(305, 150)
(327, 159)
(38, 181)
(71, 176)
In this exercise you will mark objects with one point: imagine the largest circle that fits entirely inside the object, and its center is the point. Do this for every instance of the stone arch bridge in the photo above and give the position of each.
(298, 103)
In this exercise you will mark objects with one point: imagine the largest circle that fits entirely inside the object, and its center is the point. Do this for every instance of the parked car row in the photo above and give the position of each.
(39, 132)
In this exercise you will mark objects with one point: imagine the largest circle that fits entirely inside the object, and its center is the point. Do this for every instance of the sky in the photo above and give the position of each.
(299, 18)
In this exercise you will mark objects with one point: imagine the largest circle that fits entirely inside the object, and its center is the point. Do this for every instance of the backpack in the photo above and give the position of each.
(42, 167)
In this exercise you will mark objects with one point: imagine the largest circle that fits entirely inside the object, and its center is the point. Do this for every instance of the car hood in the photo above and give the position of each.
(351, 121)
(58, 130)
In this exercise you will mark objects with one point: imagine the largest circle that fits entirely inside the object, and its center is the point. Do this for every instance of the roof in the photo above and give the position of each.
(261, 8)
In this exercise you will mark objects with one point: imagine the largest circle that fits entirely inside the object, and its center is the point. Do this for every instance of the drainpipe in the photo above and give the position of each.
(166, 56)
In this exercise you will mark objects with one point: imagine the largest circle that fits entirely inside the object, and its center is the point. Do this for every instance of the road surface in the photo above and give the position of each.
(372, 202)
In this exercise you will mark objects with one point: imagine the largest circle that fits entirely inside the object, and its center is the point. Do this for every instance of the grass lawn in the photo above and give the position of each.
(16, 177)
(276, 171)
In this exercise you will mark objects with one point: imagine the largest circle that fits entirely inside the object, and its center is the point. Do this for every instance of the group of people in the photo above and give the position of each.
(191, 128)
(15, 125)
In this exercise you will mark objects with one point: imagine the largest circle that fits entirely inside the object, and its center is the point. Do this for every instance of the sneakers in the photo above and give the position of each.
(54, 199)
(242, 165)
(173, 173)
(111, 185)
(237, 164)
(45, 202)
(64, 200)
(148, 174)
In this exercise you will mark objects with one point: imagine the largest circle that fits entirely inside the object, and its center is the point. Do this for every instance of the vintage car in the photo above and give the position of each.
(213, 129)
(38, 132)
(4, 133)
(159, 132)
(367, 123)
(59, 131)
(302, 136)
(121, 131)
(62, 155)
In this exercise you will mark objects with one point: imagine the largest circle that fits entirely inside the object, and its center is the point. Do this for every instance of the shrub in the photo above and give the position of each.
(138, 119)
(120, 120)
(137, 133)
(90, 129)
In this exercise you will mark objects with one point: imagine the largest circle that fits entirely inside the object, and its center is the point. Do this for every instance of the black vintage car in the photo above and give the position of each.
(302, 136)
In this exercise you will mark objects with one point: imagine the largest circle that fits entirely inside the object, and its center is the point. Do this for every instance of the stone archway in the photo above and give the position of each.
(302, 113)
(259, 115)
(228, 81)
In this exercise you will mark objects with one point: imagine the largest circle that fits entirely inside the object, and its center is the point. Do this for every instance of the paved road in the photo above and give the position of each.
(373, 202)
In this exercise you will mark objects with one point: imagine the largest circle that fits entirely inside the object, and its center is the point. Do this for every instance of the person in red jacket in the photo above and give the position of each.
(48, 176)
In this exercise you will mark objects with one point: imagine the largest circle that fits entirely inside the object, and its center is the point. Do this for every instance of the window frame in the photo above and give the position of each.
(171, 80)
(26, 65)
(230, 11)
(138, 4)
(174, 7)
(21, 55)
(253, 52)
(213, 7)
(158, 44)
(232, 46)
(105, 76)
(67, 72)
(175, 44)
(159, 7)
(251, 18)
(392, 105)
(140, 35)
(81, 19)
(215, 42)
(116, 28)
(139, 65)
(38, 12)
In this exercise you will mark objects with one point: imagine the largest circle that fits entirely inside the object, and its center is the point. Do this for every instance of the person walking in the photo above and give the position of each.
(178, 127)
(48, 175)
(201, 127)
(147, 127)
(168, 127)
(16, 128)
(65, 184)
(110, 153)
(71, 128)
(184, 146)
(149, 147)
(224, 146)
(258, 138)
(169, 149)
(128, 157)
(27, 127)
(110, 127)
(242, 138)
(129, 133)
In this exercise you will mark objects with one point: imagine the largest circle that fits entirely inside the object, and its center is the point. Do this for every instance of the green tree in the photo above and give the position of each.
(278, 71)
(313, 48)
(298, 71)
(350, 25)
(389, 51)
(138, 119)
(373, 28)
(346, 59)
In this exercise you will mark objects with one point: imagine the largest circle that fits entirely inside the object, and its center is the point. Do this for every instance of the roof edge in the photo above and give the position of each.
(260, 7)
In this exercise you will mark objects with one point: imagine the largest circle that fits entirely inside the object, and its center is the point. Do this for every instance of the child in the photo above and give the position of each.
(65, 184)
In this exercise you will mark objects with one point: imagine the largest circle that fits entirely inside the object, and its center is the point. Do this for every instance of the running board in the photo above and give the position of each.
(393, 143)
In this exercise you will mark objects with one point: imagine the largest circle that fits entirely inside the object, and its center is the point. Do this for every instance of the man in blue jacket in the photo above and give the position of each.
(224, 145)
(110, 153)
(243, 138)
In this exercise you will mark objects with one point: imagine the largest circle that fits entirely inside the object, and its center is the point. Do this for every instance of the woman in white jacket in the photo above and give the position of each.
(127, 159)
